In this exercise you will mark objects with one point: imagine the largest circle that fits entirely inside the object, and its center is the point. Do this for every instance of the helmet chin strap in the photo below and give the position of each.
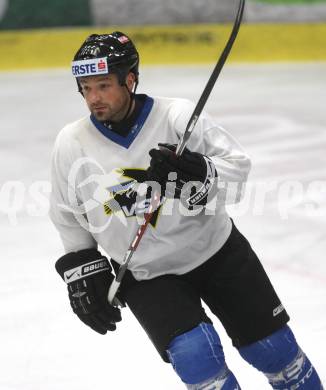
(131, 100)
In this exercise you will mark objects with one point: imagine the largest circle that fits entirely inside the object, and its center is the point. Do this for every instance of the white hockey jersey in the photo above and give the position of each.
(94, 171)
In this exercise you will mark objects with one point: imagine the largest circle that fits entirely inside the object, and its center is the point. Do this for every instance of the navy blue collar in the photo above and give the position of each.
(131, 136)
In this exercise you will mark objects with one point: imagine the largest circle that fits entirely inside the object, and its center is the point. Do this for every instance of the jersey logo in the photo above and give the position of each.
(124, 198)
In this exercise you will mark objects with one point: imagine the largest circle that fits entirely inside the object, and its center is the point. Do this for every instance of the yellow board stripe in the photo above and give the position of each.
(180, 44)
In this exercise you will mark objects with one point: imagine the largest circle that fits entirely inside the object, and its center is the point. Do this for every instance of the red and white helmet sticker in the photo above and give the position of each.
(123, 39)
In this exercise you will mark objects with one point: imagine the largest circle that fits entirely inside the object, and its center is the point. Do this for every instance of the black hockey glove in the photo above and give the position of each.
(88, 275)
(194, 174)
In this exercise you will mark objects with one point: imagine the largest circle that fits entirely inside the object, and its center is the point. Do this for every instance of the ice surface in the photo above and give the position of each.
(278, 114)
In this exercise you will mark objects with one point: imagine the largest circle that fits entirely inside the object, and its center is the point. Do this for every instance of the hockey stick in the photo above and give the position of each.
(180, 148)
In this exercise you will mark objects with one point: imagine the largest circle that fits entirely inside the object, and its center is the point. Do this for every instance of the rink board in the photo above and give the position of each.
(50, 48)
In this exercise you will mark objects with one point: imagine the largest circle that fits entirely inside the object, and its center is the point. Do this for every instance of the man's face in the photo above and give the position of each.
(105, 97)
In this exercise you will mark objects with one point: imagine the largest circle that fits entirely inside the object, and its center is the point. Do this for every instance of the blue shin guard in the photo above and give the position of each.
(280, 358)
(197, 357)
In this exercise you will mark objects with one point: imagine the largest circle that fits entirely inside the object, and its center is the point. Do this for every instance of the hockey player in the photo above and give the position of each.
(191, 251)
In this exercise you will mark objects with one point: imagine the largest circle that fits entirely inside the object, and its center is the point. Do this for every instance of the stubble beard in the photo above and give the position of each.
(112, 114)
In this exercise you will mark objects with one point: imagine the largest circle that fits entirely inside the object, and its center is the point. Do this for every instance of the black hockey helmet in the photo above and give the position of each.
(106, 53)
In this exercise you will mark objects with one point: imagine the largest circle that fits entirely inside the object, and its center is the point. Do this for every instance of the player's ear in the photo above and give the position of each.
(130, 81)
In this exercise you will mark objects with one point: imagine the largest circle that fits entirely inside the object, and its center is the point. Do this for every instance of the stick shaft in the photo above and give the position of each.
(212, 80)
